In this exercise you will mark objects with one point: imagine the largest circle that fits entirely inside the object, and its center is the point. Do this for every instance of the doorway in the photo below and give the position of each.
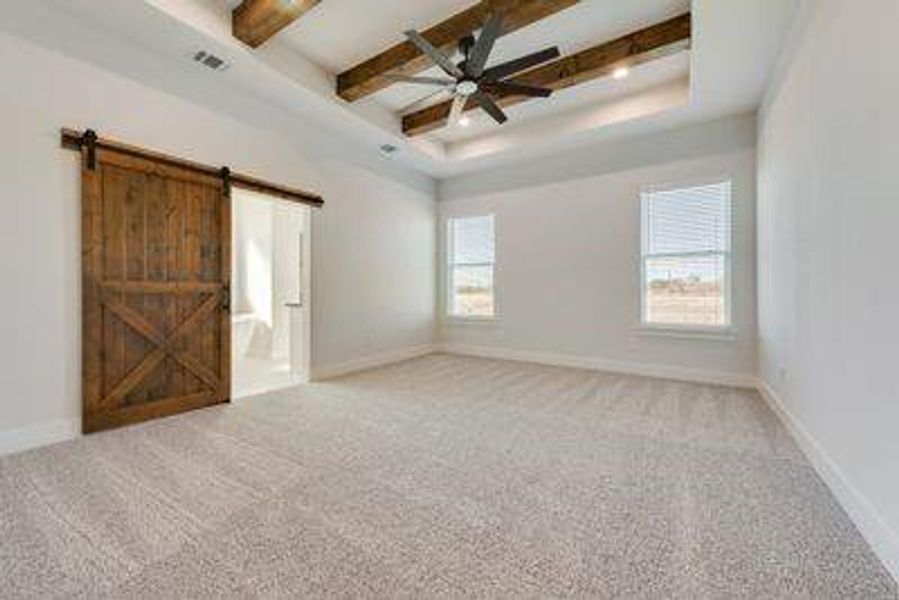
(270, 294)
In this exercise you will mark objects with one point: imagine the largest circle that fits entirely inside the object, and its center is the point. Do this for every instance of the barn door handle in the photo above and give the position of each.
(226, 297)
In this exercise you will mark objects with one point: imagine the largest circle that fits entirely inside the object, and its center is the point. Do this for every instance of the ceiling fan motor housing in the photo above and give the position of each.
(466, 87)
(471, 80)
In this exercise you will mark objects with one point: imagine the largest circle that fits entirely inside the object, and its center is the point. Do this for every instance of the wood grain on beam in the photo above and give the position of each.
(648, 44)
(405, 59)
(256, 21)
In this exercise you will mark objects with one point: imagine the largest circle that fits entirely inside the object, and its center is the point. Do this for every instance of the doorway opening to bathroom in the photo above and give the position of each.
(270, 294)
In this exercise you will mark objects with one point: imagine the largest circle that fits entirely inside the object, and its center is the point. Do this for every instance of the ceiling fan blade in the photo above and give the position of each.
(484, 46)
(510, 88)
(425, 102)
(457, 110)
(490, 107)
(439, 58)
(520, 64)
(442, 82)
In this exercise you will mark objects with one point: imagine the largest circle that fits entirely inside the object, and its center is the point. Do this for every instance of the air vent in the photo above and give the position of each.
(388, 149)
(210, 61)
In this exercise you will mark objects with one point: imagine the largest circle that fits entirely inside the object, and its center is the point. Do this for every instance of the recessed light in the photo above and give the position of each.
(621, 72)
(464, 122)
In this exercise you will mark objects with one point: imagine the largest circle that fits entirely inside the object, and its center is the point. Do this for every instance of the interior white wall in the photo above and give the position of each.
(288, 225)
(828, 291)
(374, 267)
(266, 272)
(253, 276)
(384, 254)
(246, 225)
(568, 254)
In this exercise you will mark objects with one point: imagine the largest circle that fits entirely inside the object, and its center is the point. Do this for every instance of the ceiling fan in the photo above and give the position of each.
(471, 79)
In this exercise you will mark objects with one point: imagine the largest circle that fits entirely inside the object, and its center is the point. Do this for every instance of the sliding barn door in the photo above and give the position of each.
(156, 275)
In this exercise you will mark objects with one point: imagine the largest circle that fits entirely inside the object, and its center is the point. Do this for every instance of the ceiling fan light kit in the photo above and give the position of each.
(471, 80)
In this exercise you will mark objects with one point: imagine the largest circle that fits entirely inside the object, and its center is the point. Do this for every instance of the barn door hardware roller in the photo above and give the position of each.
(225, 174)
(89, 140)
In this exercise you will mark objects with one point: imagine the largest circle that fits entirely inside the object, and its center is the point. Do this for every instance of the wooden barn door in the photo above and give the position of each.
(156, 274)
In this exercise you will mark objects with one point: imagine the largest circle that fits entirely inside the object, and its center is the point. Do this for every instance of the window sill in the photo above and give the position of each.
(457, 320)
(717, 334)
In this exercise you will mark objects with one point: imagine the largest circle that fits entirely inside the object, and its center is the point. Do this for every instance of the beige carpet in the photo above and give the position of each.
(443, 476)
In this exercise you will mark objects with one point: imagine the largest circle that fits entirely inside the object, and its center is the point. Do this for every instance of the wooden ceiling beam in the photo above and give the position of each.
(652, 43)
(405, 59)
(256, 21)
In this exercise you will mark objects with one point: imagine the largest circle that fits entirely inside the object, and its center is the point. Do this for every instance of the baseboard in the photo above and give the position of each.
(879, 535)
(599, 364)
(42, 434)
(61, 430)
(369, 362)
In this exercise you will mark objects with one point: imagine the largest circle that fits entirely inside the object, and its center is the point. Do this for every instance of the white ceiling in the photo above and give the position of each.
(338, 35)
(592, 93)
(735, 45)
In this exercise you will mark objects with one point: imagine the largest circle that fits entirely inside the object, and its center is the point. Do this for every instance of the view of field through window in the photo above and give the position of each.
(471, 260)
(686, 256)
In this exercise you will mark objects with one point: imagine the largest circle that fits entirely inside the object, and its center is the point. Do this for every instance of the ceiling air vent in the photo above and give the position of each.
(388, 150)
(210, 61)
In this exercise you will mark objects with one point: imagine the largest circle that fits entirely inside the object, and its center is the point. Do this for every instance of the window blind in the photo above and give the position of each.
(471, 254)
(686, 255)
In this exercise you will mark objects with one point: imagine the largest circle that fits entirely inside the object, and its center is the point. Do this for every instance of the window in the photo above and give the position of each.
(470, 261)
(686, 258)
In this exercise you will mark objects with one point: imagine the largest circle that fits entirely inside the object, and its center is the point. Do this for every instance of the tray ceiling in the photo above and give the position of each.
(734, 46)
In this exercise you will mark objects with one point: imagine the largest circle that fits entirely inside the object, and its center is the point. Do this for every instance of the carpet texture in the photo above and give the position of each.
(442, 476)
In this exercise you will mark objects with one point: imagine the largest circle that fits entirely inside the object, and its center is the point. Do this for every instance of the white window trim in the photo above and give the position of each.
(471, 319)
(447, 279)
(695, 332)
(726, 332)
